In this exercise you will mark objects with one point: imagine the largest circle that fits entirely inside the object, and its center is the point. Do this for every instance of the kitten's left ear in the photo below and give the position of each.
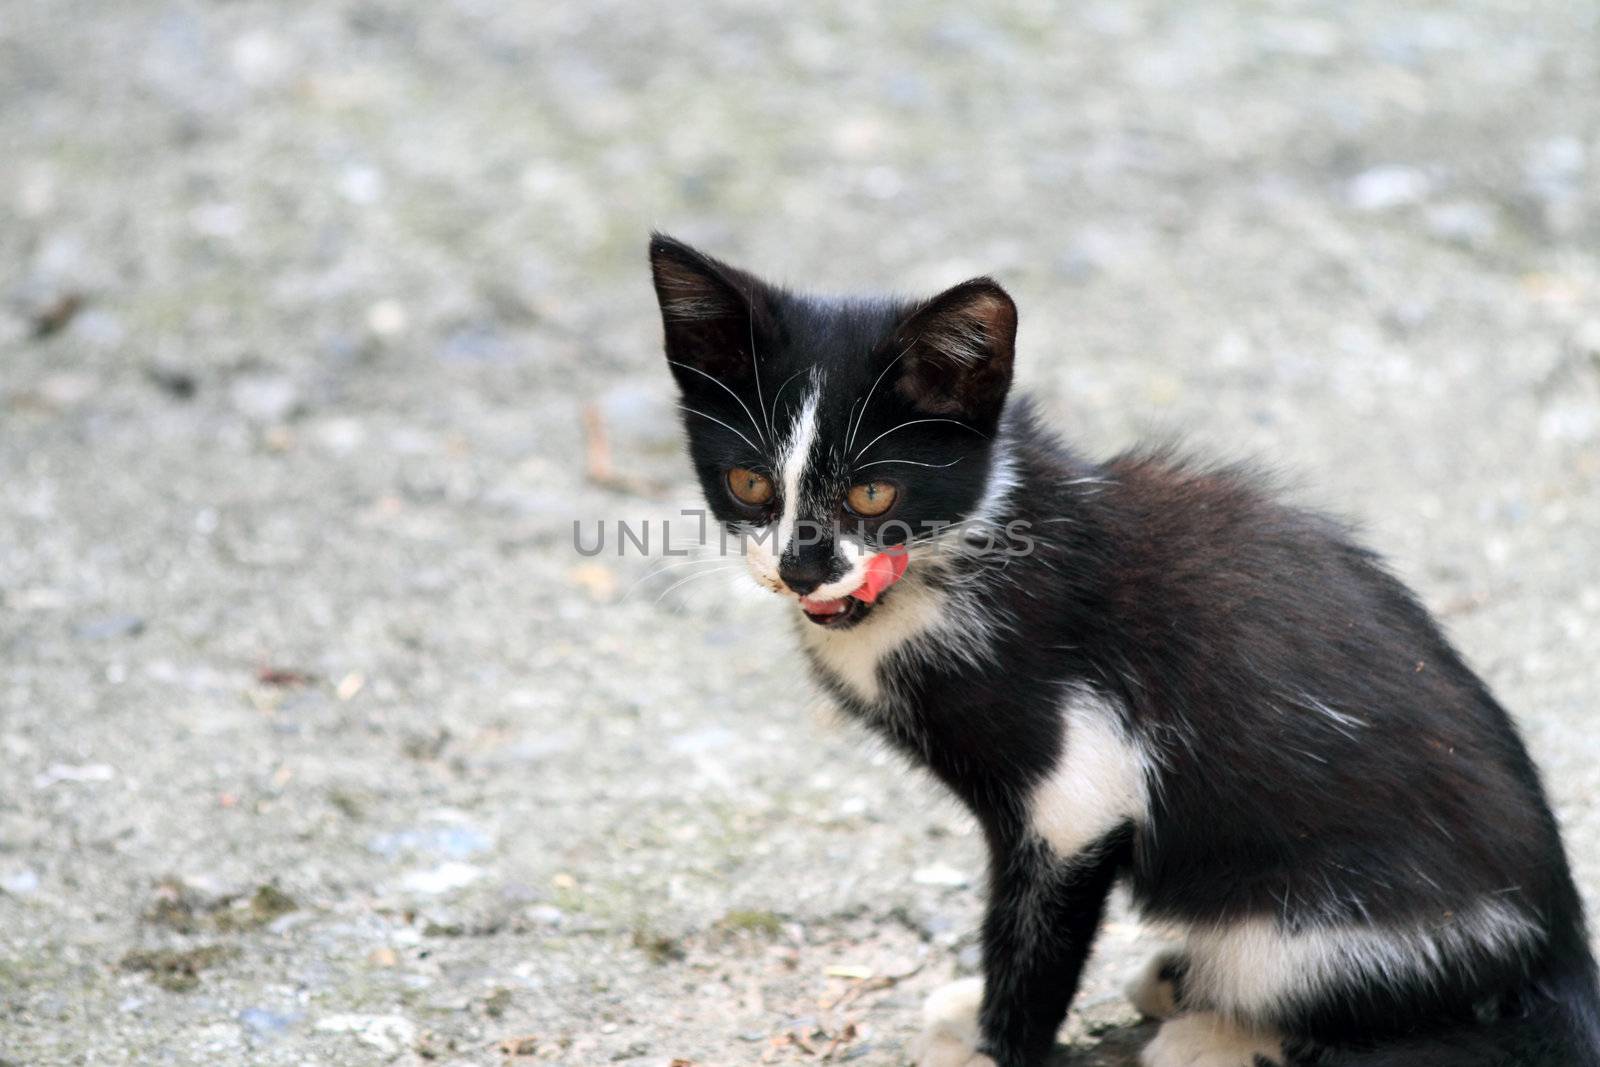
(713, 314)
(958, 349)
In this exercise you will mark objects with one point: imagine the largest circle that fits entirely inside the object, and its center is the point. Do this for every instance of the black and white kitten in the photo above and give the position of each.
(1141, 670)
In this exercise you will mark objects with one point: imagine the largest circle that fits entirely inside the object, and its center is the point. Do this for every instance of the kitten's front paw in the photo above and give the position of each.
(1206, 1040)
(950, 1027)
(1155, 991)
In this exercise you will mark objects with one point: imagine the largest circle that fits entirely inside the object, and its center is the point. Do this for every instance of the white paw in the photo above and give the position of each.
(1206, 1040)
(1155, 997)
(950, 1027)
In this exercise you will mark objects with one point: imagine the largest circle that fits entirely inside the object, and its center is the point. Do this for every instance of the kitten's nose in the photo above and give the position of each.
(803, 576)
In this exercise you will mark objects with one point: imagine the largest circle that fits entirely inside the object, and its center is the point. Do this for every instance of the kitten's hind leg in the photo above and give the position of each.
(1158, 990)
(1202, 1039)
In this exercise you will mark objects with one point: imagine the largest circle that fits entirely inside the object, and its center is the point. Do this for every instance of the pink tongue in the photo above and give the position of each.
(883, 570)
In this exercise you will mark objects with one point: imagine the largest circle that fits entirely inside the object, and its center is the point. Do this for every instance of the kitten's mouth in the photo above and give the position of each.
(836, 614)
(882, 571)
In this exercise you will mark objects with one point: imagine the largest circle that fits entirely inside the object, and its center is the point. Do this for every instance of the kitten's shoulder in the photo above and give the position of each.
(1172, 467)
(1167, 486)
(1183, 529)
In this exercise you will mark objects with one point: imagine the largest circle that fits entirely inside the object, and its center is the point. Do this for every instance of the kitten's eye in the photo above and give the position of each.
(870, 498)
(748, 487)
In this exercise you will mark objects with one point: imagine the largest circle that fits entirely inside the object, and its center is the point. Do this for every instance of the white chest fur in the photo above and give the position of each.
(912, 621)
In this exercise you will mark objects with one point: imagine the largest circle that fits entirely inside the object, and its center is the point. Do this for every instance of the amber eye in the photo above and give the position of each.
(748, 487)
(870, 498)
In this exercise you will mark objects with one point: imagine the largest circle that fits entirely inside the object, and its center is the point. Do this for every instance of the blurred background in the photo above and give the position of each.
(322, 323)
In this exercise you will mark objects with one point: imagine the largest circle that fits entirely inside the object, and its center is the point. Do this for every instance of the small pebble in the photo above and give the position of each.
(265, 398)
(1387, 187)
(20, 883)
(441, 879)
(940, 875)
(106, 627)
(267, 1023)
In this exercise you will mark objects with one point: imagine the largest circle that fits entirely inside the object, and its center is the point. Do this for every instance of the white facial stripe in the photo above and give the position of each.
(1100, 781)
(797, 452)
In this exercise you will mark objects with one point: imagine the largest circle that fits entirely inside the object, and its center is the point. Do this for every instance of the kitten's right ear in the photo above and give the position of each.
(712, 313)
(958, 349)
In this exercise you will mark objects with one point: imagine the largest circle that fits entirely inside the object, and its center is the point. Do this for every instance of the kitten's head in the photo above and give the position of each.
(829, 432)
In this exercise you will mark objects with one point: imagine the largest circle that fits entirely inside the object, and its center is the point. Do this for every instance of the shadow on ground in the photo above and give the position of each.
(1117, 1047)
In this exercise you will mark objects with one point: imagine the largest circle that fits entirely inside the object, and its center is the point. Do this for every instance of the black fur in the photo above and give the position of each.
(1323, 756)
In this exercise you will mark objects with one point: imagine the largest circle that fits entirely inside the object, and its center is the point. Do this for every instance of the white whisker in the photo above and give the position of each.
(719, 422)
(910, 462)
(913, 422)
(750, 317)
(725, 389)
(857, 428)
(653, 571)
(693, 577)
(779, 393)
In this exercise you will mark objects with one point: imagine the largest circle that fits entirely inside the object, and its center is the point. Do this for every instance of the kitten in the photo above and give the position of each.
(1142, 671)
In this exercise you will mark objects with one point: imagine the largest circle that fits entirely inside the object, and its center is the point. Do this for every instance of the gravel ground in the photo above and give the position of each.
(320, 744)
